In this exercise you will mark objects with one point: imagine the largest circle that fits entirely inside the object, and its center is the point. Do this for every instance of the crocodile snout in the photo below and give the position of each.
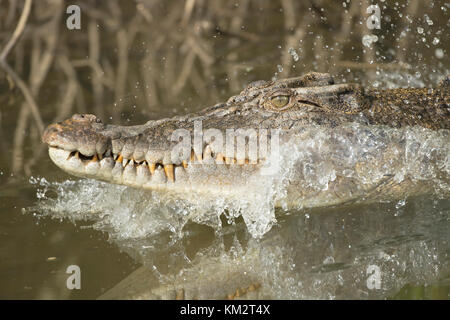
(82, 132)
(50, 133)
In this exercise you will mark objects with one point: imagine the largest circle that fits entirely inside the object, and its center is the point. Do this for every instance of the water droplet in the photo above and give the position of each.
(294, 54)
(368, 39)
(439, 53)
(400, 204)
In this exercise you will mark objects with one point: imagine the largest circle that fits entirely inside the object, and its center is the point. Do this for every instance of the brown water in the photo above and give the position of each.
(131, 62)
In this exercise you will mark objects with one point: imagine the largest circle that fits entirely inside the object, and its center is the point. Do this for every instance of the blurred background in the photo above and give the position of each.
(131, 61)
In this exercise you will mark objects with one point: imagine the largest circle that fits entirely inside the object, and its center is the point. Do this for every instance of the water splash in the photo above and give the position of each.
(317, 167)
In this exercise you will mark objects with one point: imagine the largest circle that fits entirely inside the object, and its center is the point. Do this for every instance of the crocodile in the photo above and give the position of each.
(225, 149)
(335, 144)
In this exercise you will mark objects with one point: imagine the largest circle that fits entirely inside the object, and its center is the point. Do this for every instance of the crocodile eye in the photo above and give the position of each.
(280, 101)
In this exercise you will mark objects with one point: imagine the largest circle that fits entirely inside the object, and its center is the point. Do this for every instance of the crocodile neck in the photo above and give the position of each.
(402, 107)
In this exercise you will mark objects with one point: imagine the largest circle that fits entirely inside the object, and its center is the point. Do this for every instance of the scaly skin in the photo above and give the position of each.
(142, 156)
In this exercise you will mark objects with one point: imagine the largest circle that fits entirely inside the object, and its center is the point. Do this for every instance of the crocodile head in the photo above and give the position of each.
(218, 149)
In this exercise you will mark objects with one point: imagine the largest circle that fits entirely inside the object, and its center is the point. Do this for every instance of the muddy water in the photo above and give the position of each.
(177, 61)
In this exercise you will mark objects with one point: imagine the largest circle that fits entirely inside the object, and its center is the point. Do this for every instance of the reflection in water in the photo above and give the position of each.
(318, 253)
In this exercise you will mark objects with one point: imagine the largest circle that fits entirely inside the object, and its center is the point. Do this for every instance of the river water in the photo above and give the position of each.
(131, 62)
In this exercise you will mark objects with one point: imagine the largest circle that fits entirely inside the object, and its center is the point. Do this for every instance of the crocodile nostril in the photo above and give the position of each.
(53, 129)
(78, 116)
(86, 118)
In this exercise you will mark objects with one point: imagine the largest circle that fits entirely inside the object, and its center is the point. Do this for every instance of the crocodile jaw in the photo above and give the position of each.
(147, 157)
(206, 177)
(77, 167)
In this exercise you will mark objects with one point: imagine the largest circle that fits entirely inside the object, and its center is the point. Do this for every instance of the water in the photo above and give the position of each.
(312, 254)
(49, 220)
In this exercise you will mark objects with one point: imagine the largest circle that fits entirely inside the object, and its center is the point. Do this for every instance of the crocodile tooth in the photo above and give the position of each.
(181, 174)
(125, 162)
(192, 156)
(77, 155)
(117, 145)
(117, 171)
(140, 149)
(152, 167)
(142, 173)
(229, 160)
(185, 164)
(99, 156)
(92, 167)
(128, 148)
(207, 153)
(106, 166)
(129, 173)
(94, 158)
(119, 158)
(168, 169)
(219, 158)
(159, 176)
